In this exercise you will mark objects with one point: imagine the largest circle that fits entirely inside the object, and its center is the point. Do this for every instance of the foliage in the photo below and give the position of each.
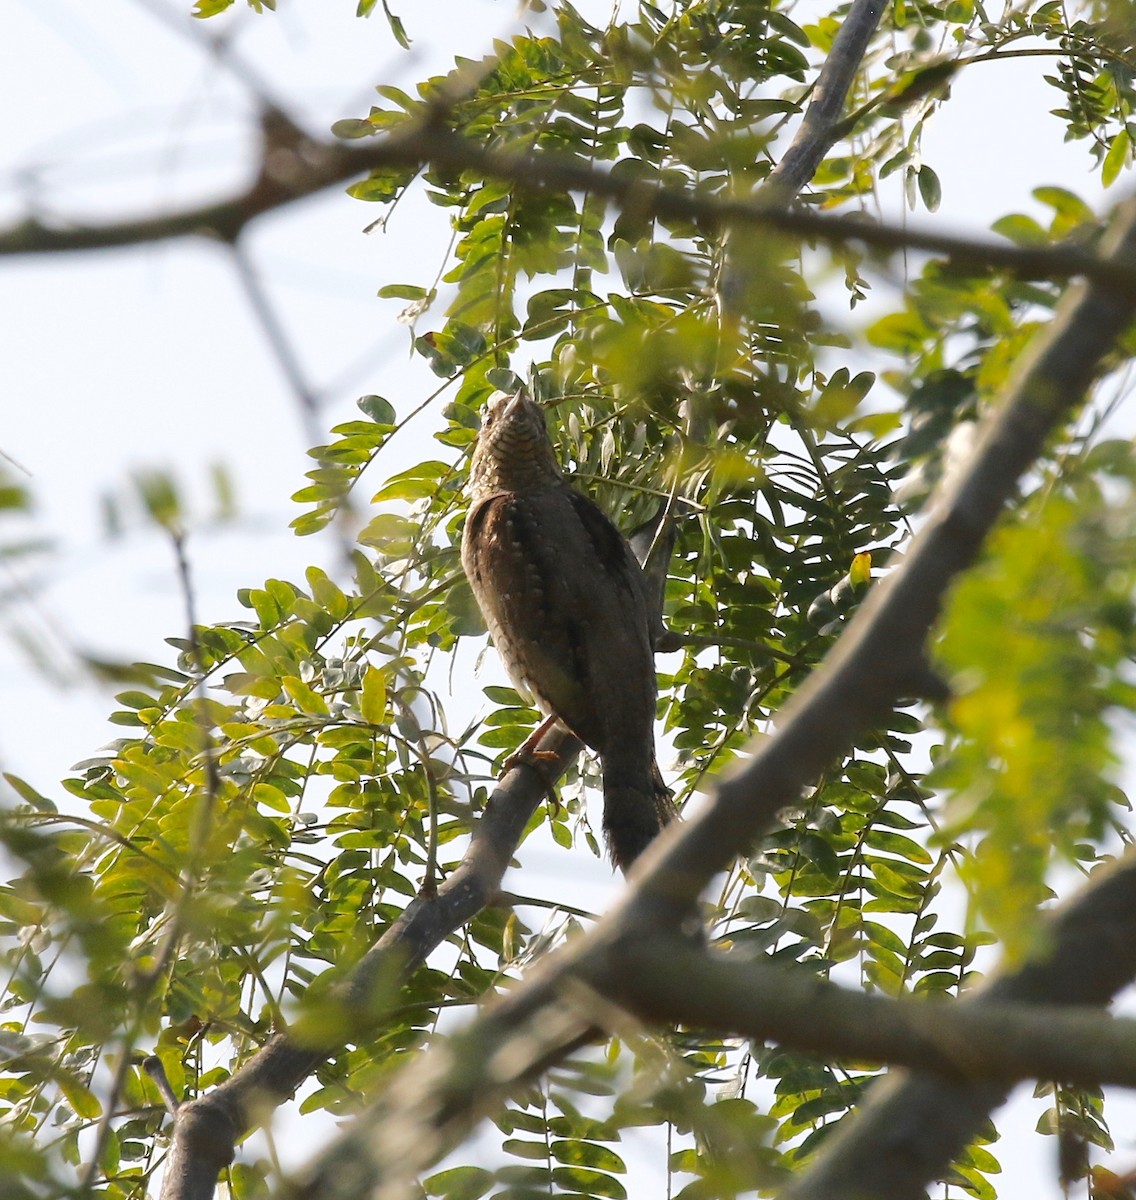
(269, 810)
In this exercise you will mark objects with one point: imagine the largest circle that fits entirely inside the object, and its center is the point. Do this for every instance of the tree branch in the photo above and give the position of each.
(546, 171)
(821, 127)
(299, 167)
(669, 981)
(819, 130)
(280, 344)
(292, 166)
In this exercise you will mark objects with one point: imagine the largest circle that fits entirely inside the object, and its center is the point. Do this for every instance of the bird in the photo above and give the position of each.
(569, 611)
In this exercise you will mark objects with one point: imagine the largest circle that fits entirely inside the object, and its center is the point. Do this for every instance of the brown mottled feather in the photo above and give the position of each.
(566, 603)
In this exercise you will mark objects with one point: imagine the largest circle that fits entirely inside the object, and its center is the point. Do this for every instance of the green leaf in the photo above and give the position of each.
(395, 23)
(347, 128)
(373, 702)
(1022, 230)
(80, 1097)
(930, 189)
(247, 1182)
(1117, 158)
(27, 793)
(459, 1183)
(306, 698)
(536, 1151)
(578, 1181)
(419, 481)
(402, 291)
(389, 532)
(379, 410)
(586, 1154)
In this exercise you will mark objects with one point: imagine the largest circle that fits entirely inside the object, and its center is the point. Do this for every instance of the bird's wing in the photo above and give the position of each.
(595, 582)
(564, 599)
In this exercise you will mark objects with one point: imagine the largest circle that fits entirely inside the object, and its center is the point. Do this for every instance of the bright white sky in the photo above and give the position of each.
(130, 359)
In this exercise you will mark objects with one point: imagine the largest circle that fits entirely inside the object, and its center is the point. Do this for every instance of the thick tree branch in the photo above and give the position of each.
(1088, 952)
(912, 1126)
(668, 981)
(859, 682)
(206, 1130)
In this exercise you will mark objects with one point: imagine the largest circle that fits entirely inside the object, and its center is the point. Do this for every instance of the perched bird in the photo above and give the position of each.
(567, 605)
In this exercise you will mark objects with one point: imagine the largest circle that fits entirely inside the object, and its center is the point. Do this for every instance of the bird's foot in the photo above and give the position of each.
(527, 755)
(527, 751)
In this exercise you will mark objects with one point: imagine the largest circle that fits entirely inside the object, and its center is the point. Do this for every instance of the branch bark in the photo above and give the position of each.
(822, 127)
(291, 166)
(991, 1037)
(819, 130)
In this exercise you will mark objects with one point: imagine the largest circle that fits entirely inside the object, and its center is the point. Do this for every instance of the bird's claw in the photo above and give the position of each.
(527, 755)
(521, 757)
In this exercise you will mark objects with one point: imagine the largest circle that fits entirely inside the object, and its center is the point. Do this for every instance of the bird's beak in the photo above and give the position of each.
(515, 402)
(503, 405)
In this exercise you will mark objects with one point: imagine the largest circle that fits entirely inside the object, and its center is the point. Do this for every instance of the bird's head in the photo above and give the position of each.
(513, 451)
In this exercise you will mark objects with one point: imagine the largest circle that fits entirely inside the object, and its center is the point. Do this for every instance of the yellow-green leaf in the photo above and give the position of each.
(373, 698)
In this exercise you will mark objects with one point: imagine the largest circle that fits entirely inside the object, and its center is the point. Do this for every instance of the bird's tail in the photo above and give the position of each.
(635, 809)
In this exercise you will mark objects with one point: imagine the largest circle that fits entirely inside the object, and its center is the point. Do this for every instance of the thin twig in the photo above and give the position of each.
(153, 1067)
(281, 344)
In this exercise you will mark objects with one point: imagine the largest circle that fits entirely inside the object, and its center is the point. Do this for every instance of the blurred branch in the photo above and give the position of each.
(280, 344)
(218, 44)
(432, 1105)
(669, 981)
(294, 166)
